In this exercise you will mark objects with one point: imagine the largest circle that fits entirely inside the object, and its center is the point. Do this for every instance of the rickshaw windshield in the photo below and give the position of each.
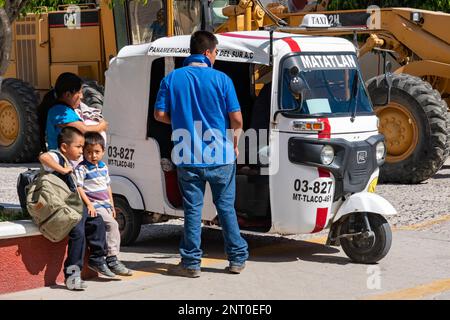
(330, 85)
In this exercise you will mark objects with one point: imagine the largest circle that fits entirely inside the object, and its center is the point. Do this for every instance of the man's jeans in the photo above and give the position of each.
(192, 181)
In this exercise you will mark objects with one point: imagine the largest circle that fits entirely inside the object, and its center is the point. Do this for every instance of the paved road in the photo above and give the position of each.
(295, 267)
(417, 267)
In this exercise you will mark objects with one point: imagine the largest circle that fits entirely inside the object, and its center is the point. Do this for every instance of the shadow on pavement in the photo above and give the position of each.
(147, 266)
(264, 248)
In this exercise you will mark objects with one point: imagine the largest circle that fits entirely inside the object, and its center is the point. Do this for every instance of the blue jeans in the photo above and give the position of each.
(90, 231)
(192, 181)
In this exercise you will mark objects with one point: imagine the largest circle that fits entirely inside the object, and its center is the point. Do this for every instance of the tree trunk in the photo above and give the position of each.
(5, 41)
(8, 14)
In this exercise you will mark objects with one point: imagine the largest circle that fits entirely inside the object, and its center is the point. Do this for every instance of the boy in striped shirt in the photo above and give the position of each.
(93, 183)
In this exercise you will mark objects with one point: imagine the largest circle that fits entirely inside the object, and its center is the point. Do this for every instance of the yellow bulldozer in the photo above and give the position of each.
(416, 122)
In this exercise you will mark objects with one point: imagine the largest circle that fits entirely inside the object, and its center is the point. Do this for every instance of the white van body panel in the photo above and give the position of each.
(122, 186)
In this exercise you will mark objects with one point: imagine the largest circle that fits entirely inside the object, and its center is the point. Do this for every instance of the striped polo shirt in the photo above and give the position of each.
(94, 179)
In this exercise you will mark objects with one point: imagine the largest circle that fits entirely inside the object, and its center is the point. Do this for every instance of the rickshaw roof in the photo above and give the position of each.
(244, 46)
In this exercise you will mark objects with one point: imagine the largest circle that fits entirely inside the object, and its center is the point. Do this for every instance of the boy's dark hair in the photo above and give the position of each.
(201, 41)
(67, 135)
(93, 138)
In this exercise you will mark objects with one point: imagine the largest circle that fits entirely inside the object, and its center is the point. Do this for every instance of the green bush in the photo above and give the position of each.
(12, 214)
(37, 5)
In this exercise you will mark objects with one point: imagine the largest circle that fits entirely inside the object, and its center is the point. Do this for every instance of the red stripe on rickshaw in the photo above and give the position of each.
(321, 219)
(323, 173)
(322, 213)
(292, 44)
(326, 132)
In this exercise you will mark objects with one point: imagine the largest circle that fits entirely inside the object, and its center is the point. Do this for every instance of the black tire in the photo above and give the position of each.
(429, 113)
(369, 250)
(129, 221)
(447, 153)
(445, 109)
(26, 146)
(93, 94)
(447, 146)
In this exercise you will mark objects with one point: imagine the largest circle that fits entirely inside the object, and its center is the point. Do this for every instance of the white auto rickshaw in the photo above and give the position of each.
(319, 170)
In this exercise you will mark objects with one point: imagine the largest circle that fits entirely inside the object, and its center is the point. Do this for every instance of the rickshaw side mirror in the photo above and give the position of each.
(297, 86)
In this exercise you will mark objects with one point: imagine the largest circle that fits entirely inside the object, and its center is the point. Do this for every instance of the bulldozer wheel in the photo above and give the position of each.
(19, 129)
(415, 127)
(447, 147)
(93, 94)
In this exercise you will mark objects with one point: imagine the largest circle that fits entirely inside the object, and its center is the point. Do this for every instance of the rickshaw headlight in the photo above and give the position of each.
(327, 155)
(380, 151)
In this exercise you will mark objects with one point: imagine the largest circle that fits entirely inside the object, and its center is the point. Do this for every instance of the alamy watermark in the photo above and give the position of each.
(213, 147)
(74, 280)
(374, 20)
(374, 279)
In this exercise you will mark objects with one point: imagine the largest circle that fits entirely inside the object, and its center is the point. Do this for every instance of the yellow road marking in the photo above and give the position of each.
(414, 292)
(425, 224)
(138, 274)
(319, 240)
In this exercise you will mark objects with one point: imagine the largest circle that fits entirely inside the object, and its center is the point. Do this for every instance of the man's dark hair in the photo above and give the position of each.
(93, 138)
(201, 41)
(67, 135)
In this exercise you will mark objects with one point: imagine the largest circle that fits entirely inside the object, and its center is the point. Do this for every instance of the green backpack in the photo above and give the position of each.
(53, 206)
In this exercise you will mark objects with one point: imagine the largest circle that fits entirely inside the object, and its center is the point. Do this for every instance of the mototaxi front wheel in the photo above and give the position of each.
(366, 250)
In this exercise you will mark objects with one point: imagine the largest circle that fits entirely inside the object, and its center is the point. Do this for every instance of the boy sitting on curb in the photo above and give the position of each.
(94, 187)
(70, 147)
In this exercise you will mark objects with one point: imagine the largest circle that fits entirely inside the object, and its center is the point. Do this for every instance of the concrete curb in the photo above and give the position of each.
(28, 260)
(18, 228)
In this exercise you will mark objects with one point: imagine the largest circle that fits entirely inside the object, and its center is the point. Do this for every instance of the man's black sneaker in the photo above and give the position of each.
(180, 270)
(102, 269)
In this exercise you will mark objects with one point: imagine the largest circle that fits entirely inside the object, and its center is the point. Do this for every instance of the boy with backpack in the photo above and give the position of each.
(93, 183)
(70, 148)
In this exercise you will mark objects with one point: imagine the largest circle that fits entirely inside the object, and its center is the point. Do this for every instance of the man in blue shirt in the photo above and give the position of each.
(158, 26)
(201, 105)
